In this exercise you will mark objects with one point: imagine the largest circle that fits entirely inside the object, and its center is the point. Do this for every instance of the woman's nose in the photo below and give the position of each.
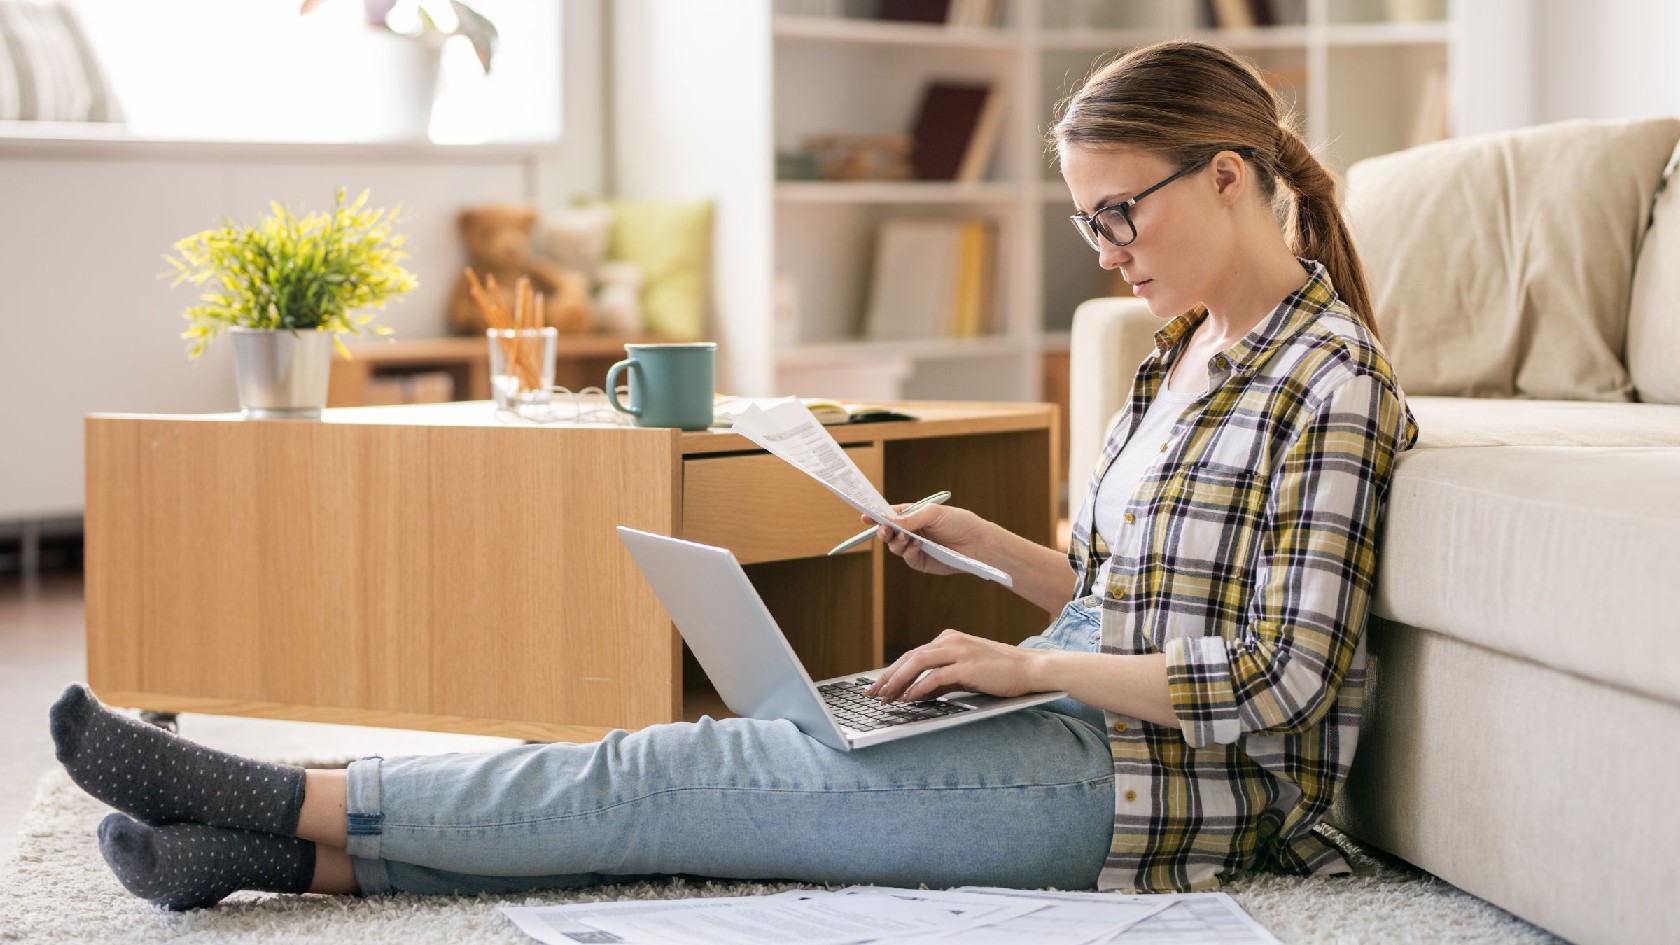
(1112, 257)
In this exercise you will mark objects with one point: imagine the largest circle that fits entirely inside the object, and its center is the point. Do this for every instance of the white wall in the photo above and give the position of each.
(1606, 59)
(714, 51)
(87, 326)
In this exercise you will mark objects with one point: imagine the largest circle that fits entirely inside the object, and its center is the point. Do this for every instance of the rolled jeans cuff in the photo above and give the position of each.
(364, 826)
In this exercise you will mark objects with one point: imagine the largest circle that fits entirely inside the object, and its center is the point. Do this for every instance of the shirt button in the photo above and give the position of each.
(1131, 795)
(1120, 727)
(1130, 518)
(1163, 447)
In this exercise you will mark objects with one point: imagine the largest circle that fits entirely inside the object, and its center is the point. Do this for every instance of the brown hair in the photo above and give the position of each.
(1185, 102)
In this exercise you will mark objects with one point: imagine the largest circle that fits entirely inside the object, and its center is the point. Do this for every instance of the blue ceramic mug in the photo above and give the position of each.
(671, 385)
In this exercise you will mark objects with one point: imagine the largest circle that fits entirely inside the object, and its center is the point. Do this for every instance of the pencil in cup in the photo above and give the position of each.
(938, 498)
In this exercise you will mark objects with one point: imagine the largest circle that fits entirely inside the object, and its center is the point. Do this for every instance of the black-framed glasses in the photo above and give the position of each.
(1111, 221)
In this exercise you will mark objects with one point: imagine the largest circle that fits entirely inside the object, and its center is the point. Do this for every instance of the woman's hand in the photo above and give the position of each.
(957, 529)
(957, 662)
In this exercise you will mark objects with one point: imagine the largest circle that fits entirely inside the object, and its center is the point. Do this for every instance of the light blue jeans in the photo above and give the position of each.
(1023, 800)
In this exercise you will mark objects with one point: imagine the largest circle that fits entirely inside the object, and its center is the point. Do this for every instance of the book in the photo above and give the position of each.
(946, 121)
(972, 13)
(914, 278)
(977, 159)
(933, 278)
(970, 312)
(1233, 14)
(828, 412)
(915, 11)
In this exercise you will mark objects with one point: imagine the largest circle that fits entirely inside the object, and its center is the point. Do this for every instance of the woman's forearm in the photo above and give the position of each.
(1133, 685)
(1041, 575)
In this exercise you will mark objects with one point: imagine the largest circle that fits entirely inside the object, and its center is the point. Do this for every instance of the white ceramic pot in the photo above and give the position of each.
(282, 374)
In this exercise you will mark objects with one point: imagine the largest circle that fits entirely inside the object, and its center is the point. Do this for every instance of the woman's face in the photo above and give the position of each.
(1182, 238)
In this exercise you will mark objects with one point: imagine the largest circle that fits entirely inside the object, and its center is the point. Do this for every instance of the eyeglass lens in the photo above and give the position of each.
(1110, 223)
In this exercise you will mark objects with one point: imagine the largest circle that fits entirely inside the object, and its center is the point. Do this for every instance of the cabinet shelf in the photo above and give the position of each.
(844, 30)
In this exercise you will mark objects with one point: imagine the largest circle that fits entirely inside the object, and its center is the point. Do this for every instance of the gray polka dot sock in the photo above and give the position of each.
(191, 866)
(162, 779)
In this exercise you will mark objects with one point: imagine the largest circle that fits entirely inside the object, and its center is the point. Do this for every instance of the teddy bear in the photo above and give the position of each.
(577, 238)
(498, 245)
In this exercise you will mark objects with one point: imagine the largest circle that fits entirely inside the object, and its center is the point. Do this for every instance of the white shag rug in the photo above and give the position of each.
(58, 890)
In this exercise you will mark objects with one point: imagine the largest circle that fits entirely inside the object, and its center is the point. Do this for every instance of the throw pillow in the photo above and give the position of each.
(672, 245)
(1500, 265)
(1653, 341)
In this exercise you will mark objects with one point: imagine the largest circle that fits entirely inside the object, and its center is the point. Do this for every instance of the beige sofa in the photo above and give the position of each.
(1522, 733)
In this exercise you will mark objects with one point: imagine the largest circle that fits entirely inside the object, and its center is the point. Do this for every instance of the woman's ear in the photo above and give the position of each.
(1230, 176)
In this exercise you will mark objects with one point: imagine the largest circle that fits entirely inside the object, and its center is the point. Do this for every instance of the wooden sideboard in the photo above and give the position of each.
(431, 566)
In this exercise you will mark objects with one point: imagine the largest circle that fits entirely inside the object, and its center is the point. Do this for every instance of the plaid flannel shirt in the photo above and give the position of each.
(1247, 557)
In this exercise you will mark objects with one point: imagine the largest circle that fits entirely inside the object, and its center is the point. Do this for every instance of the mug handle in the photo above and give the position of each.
(612, 387)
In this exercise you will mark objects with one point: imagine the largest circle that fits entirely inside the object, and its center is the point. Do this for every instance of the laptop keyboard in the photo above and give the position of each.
(866, 713)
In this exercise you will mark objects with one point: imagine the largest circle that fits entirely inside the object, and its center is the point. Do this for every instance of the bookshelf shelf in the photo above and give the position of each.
(1096, 40)
(842, 192)
(847, 30)
(921, 349)
(707, 94)
(1388, 34)
(1260, 37)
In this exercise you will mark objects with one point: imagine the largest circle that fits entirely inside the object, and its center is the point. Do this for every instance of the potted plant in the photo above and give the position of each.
(286, 287)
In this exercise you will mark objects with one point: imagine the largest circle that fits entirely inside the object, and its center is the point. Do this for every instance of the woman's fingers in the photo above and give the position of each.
(911, 671)
(886, 676)
(927, 685)
(899, 676)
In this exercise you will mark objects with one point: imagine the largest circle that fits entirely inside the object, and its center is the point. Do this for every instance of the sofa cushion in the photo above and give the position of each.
(1501, 265)
(1654, 313)
(1479, 421)
(1559, 555)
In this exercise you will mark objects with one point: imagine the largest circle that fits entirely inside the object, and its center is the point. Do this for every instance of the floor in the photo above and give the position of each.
(42, 625)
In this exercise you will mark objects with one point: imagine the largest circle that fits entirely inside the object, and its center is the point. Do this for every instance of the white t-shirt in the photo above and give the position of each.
(1140, 454)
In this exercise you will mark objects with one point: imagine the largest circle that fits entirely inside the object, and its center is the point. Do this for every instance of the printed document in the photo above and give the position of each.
(788, 430)
(801, 917)
(571, 925)
(1184, 918)
(970, 915)
(1054, 922)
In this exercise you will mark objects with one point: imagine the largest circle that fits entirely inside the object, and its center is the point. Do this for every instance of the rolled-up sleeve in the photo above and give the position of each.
(1312, 584)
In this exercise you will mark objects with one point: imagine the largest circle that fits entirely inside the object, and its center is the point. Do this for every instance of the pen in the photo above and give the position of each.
(938, 498)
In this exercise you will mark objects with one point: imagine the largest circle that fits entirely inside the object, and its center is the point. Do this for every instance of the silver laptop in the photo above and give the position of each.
(755, 670)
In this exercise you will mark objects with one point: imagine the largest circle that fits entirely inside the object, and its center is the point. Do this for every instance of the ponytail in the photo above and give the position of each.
(1316, 229)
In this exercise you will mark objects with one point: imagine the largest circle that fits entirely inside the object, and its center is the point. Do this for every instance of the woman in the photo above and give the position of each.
(1210, 637)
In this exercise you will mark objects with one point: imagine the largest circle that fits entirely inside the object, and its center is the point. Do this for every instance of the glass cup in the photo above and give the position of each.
(522, 368)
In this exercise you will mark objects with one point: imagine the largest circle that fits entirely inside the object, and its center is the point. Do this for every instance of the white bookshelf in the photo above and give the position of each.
(705, 92)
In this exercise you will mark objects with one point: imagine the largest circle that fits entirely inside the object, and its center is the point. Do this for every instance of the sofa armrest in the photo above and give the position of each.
(1111, 337)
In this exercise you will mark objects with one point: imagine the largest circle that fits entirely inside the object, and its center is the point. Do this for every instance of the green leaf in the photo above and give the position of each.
(478, 30)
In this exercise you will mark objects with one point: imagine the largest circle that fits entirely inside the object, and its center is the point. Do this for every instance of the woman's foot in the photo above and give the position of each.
(163, 779)
(191, 866)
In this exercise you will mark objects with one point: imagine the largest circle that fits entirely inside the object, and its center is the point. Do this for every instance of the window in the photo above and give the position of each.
(257, 70)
